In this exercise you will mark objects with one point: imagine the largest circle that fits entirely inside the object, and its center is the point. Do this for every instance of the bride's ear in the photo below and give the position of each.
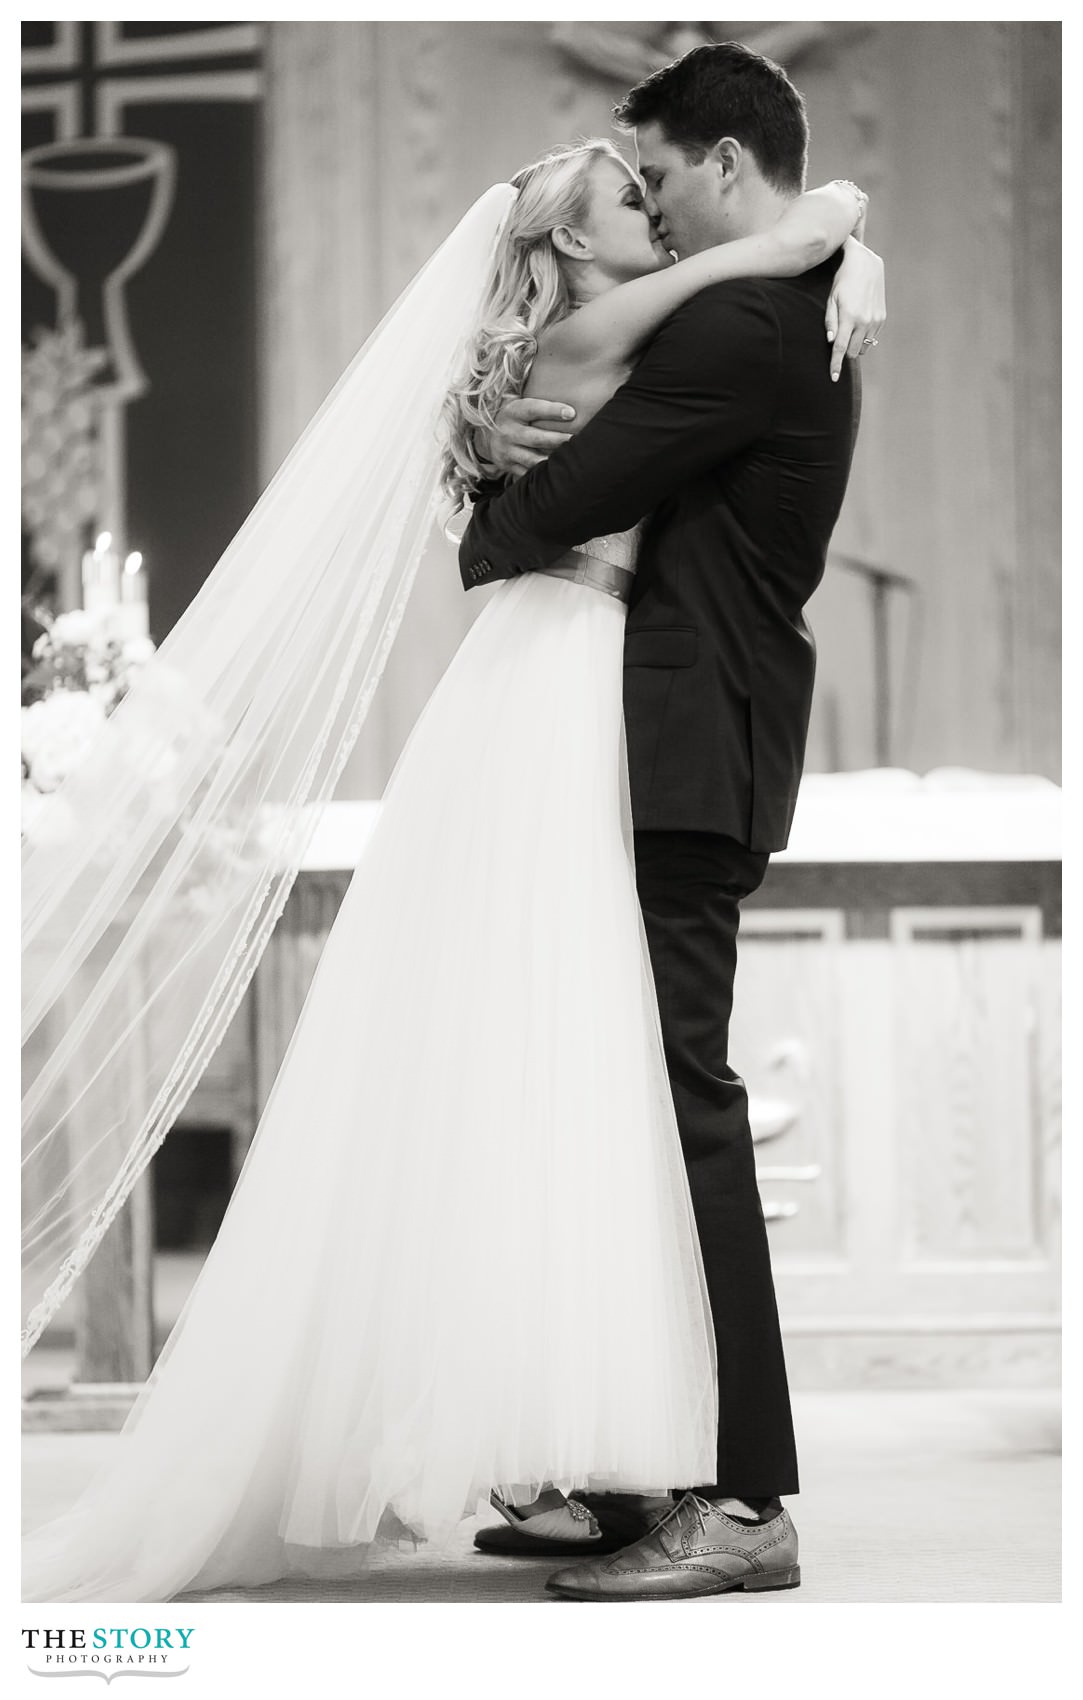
(569, 242)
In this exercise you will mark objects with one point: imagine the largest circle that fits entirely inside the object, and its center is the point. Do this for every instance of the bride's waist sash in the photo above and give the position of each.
(593, 570)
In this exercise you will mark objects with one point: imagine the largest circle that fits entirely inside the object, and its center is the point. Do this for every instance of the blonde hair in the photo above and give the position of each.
(526, 290)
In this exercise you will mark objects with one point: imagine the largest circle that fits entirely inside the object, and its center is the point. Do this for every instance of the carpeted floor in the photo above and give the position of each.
(907, 1497)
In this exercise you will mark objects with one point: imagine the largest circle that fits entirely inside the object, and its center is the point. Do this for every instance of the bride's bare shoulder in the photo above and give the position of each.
(569, 367)
(569, 342)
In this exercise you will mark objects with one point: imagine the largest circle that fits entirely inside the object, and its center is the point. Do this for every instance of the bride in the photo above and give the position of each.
(460, 1256)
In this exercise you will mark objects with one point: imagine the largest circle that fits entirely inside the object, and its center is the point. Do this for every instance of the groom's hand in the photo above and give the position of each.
(524, 434)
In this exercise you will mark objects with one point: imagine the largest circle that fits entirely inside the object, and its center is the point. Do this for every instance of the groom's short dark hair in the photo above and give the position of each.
(724, 89)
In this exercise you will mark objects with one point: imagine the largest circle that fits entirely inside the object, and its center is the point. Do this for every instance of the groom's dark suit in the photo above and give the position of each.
(731, 436)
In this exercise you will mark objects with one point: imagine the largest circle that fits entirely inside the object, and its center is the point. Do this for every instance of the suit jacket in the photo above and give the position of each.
(731, 436)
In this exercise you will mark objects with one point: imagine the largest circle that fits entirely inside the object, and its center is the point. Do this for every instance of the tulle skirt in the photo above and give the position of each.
(461, 1252)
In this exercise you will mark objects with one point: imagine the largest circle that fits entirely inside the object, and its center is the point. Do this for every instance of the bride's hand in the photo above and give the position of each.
(856, 307)
(521, 438)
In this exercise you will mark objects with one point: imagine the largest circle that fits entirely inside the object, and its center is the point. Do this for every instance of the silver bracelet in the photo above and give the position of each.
(845, 183)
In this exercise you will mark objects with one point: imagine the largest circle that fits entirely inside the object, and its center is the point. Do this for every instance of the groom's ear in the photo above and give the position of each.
(727, 157)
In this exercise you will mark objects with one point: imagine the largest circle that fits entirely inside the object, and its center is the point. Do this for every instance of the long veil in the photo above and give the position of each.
(154, 877)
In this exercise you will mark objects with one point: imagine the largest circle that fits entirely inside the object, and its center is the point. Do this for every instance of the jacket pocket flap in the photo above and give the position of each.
(661, 646)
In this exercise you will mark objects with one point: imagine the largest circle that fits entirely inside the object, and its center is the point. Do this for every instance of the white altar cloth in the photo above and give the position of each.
(879, 815)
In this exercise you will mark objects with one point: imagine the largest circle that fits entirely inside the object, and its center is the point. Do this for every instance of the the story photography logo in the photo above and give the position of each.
(108, 1651)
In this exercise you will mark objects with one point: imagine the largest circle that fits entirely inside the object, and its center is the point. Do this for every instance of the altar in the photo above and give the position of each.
(899, 980)
(897, 1023)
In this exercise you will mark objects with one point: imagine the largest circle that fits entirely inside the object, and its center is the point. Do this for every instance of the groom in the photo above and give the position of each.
(731, 435)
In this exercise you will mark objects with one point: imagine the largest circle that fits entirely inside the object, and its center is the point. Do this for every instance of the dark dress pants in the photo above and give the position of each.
(690, 885)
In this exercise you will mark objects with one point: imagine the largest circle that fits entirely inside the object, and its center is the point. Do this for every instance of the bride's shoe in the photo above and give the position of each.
(553, 1525)
(551, 1516)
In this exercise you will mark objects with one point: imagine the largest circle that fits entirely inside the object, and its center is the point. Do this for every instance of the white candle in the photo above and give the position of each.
(133, 615)
(101, 574)
(90, 581)
(133, 583)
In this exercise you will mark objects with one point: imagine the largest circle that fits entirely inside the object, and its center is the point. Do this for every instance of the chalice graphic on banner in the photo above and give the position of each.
(93, 211)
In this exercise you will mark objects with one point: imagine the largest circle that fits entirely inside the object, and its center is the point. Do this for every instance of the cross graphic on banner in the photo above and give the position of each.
(88, 72)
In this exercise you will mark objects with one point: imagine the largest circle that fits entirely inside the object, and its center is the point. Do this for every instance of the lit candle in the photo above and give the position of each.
(133, 615)
(101, 574)
(108, 569)
(90, 579)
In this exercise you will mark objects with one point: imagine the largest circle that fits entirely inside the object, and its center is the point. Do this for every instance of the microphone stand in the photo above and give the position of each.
(881, 582)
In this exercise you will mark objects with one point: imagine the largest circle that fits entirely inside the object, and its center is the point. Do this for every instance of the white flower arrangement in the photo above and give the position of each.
(83, 672)
(83, 669)
(57, 731)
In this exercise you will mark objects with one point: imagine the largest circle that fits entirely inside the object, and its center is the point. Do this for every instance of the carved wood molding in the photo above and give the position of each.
(627, 52)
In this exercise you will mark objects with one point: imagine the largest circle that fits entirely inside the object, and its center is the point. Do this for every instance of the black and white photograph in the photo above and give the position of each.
(541, 820)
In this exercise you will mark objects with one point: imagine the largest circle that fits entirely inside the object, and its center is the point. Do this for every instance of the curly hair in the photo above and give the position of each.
(526, 290)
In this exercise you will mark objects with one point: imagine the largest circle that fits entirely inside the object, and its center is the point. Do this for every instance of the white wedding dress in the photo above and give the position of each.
(461, 1252)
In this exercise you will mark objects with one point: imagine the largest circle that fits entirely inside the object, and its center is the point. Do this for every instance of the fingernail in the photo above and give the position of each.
(834, 377)
(830, 336)
(569, 413)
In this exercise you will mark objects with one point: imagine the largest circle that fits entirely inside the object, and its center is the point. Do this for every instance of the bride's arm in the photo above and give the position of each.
(612, 327)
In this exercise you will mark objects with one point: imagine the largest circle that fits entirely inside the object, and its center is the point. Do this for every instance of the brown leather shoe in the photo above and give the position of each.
(696, 1550)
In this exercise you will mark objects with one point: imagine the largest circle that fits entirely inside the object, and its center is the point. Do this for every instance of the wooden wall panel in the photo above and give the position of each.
(784, 1042)
(322, 290)
(1036, 144)
(926, 1253)
(969, 1131)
